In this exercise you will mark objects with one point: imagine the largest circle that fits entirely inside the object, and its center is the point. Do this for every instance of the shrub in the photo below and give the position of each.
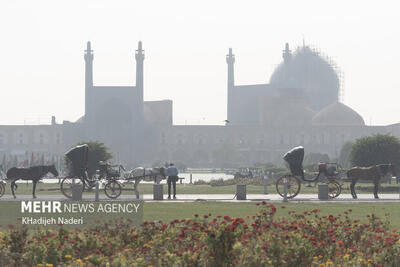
(300, 239)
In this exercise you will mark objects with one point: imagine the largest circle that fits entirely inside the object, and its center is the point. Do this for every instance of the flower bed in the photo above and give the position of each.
(305, 239)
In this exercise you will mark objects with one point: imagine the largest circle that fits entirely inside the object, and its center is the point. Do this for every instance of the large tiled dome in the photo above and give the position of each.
(338, 114)
(309, 70)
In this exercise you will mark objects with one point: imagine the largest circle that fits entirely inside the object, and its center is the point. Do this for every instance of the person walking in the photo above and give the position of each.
(172, 173)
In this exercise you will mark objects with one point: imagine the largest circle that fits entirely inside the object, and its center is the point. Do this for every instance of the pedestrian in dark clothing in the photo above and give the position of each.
(172, 173)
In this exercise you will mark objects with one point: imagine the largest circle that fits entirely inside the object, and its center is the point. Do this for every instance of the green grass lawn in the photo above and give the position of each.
(24, 188)
(169, 211)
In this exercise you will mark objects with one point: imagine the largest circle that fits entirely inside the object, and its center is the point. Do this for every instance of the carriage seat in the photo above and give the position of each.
(106, 167)
(328, 171)
(113, 173)
(331, 171)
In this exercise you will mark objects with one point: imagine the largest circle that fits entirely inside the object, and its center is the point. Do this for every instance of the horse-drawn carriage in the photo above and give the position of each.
(112, 176)
(79, 158)
(78, 162)
(329, 173)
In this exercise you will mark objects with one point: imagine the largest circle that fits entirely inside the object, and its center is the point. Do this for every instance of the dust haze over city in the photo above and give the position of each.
(199, 133)
(298, 73)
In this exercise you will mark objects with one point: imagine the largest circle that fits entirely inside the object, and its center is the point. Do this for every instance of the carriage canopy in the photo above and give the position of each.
(294, 158)
(78, 156)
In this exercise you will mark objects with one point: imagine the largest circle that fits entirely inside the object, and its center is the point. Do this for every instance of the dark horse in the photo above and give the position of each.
(34, 173)
(374, 173)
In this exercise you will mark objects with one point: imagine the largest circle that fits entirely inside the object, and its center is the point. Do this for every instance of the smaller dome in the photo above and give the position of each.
(338, 114)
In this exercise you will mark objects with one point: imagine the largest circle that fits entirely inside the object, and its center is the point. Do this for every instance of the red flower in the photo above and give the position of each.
(231, 228)
(52, 234)
(227, 218)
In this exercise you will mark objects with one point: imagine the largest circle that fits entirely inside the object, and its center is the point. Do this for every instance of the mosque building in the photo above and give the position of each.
(299, 106)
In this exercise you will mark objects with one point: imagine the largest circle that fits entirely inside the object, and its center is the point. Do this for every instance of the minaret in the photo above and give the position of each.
(138, 130)
(287, 55)
(230, 60)
(88, 77)
(139, 55)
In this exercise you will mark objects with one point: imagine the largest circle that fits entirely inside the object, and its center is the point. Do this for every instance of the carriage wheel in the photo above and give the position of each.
(334, 189)
(66, 185)
(2, 189)
(293, 186)
(112, 189)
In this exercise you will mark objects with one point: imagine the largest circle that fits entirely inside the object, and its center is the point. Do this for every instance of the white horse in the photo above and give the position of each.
(146, 174)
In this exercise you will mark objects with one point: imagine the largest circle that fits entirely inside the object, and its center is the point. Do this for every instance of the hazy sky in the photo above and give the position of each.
(185, 42)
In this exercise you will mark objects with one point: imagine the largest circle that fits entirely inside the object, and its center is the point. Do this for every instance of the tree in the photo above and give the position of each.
(344, 155)
(377, 149)
(97, 152)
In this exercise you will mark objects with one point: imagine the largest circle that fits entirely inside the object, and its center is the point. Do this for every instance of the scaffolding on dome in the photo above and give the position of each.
(332, 63)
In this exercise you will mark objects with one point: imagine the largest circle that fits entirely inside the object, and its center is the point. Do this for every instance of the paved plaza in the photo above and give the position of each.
(221, 198)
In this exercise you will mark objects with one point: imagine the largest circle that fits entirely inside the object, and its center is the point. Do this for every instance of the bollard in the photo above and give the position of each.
(265, 184)
(158, 192)
(190, 178)
(323, 190)
(241, 192)
(285, 182)
(77, 190)
(97, 190)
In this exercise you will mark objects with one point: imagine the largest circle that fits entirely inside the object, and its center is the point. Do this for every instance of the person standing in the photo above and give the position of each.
(172, 173)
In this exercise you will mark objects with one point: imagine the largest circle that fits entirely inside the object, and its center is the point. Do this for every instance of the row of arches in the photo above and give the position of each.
(261, 139)
(24, 138)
